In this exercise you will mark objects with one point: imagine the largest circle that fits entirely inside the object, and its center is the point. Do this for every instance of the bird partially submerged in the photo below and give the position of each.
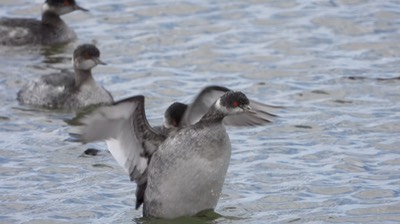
(51, 29)
(178, 173)
(68, 90)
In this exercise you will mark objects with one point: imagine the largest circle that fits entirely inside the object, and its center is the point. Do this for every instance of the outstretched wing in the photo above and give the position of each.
(210, 94)
(124, 127)
(201, 104)
(261, 116)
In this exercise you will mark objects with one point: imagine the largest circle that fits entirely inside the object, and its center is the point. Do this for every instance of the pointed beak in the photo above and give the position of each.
(98, 61)
(247, 109)
(77, 7)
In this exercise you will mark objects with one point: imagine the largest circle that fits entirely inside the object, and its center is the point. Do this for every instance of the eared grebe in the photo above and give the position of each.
(179, 174)
(51, 29)
(180, 115)
(68, 90)
(210, 94)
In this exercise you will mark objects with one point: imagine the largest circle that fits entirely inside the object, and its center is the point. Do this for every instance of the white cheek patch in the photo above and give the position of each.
(65, 10)
(85, 64)
(231, 110)
(221, 108)
(238, 110)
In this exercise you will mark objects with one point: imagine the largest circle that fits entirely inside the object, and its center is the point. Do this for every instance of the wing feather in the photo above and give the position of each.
(210, 94)
(124, 126)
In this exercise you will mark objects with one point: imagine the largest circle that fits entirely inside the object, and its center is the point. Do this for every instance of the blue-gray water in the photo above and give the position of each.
(333, 156)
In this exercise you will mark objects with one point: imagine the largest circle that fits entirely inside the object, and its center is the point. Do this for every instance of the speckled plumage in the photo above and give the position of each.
(178, 173)
(186, 174)
(67, 90)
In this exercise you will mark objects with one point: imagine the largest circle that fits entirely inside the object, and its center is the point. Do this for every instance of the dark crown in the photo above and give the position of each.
(86, 50)
(232, 99)
(60, 2)
(176, 111)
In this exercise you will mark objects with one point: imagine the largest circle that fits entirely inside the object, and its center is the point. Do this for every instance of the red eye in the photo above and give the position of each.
(235, 104)
(66, 3)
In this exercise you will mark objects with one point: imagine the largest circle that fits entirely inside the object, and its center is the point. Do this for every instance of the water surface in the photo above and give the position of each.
(332, 156)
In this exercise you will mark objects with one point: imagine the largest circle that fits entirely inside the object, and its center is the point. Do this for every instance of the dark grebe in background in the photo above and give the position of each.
(51, 29)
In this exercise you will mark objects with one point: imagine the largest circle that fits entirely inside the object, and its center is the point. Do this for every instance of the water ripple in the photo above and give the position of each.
(331, 156)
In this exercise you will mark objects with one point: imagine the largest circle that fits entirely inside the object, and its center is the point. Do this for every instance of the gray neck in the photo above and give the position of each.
(82, 76)
(51, 18)
(212, 115)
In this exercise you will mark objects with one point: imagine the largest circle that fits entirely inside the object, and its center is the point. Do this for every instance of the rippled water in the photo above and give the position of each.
(332, 156)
